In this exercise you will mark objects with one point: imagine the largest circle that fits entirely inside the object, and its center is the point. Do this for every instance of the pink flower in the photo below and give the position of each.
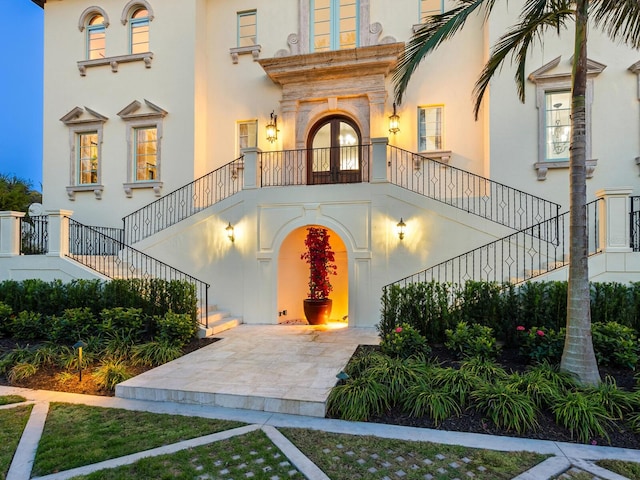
(540, 333)
(520, 328)
(593, 442)
(398, 330)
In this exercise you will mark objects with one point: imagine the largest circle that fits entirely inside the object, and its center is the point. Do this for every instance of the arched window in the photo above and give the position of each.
(96, 38)
(139, 30)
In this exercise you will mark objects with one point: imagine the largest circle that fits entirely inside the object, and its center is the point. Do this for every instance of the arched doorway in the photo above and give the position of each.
(334, 151)
(293, 277)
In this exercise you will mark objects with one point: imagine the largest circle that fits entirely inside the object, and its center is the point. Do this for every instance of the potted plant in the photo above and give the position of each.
(321, 260)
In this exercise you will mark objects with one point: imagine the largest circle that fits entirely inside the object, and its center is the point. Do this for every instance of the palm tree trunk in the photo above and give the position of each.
(578, 357)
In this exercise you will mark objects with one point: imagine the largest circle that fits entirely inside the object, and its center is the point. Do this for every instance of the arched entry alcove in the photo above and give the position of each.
(293, 276)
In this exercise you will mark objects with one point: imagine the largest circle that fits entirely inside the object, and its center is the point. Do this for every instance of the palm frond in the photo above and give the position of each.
(536, 18)
(430, 36)
(619, 19)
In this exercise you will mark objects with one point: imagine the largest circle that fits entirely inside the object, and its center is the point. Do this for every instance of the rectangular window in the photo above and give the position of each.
(140, 35)
(247, 28)
(146, 154)
(87, 149)
(430, 7)
(430, 128)
(96, 38)
(557, 125)
(247, 134)
(334, 24)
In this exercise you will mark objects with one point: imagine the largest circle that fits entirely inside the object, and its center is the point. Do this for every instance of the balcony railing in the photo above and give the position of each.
(114, 259)
(516, 258)
(184, 202)
(34, 235)
(467, 191)
(346, 164)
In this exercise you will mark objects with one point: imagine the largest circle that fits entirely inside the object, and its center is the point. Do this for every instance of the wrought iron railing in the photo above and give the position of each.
(184, 202)
(634, 224)
(516, 258)
(114, 259)
(34, 235)
(467, 191)
(346, 164)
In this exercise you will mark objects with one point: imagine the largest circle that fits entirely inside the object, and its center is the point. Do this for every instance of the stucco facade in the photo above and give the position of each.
(197, 82)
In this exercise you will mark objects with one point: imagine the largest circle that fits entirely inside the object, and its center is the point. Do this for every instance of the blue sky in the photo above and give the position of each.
(21, 46)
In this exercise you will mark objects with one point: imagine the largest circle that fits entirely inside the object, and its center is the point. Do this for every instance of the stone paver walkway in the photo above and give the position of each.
(568, 460)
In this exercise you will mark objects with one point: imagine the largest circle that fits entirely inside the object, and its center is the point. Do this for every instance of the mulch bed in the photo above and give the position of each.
(48, 378)
(472, 421)
(469, 421)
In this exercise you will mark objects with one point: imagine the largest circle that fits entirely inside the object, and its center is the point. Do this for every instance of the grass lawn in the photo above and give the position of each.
(12, 422)
(9, 399)
(347, 457)
(77, 435)
(250, 455)
(626, 469)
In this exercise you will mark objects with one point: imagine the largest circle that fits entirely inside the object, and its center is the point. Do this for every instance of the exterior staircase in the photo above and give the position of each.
(217, 321)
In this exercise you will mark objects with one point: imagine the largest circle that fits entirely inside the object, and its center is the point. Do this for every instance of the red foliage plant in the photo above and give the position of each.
(321, 260)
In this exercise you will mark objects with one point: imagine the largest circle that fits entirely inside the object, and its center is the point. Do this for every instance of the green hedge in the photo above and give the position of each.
(432, 308)
(153, 296)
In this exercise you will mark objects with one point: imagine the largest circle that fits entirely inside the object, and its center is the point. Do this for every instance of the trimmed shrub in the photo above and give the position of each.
(404, 341)
(28, 326)
(541, 344)
(73, 325)
(5, 318)
(128, 321)
(176, 329)
(615, 344)
(472, 341)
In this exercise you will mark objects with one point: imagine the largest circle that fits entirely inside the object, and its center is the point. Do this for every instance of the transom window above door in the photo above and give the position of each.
(334, 24)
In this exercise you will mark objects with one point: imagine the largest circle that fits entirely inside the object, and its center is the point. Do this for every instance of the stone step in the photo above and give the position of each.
(218, 321)
(248, 401)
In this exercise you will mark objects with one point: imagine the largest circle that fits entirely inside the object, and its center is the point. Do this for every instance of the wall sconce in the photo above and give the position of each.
(230, 234)
(272, 128)
(394, 121)
(400, 228)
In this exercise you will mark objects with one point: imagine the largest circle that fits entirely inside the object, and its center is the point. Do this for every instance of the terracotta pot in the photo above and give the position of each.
(317, 311)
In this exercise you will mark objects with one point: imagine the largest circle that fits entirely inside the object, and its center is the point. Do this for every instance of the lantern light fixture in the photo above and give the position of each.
(272, 128)
(400, 228)
(394, 121)
(230, 233)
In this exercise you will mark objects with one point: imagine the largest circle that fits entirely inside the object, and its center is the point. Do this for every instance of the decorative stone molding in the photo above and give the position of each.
(73, 189)
(254, 50)
(83, 120)
(89, 13)
(126, 11)
(293, 40)
(441, 156)
(130, 111)
(114, 62)
(548, 81)
(543, 167)
(130, 187)
(136, 115)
